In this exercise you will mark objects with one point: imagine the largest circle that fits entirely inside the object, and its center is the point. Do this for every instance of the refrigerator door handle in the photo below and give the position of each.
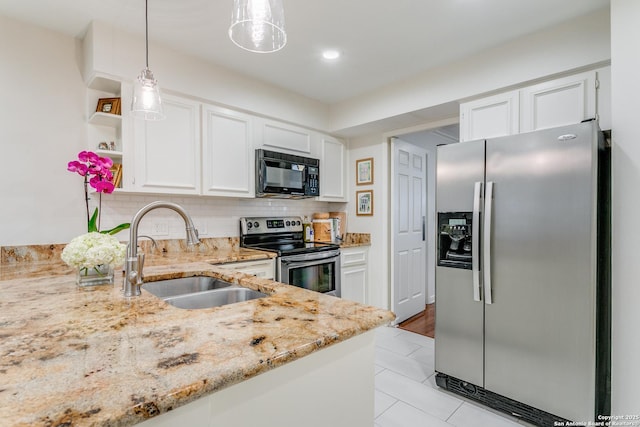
(486, 243)
(424, 228)
(475, 241)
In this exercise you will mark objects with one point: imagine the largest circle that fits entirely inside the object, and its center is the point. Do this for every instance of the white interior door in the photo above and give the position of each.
(408, 201)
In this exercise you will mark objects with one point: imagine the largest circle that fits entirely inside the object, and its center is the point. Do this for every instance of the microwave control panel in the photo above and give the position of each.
(313, 181)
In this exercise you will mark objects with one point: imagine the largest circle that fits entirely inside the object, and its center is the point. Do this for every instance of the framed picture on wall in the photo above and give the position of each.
(108, 105)
(364, 171)
(364, 201)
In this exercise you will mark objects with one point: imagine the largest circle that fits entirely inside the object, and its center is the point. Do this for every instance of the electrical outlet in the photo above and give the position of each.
(161, 228)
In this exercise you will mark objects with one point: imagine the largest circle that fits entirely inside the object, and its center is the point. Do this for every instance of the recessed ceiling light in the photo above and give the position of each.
(331, 54)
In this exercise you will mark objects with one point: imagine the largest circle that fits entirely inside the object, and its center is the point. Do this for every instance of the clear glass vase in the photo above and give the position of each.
(99, 275)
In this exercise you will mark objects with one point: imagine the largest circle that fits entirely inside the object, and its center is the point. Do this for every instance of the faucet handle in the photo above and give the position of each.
(132, 280)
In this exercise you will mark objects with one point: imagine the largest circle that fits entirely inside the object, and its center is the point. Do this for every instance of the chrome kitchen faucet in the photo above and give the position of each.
(135, 262)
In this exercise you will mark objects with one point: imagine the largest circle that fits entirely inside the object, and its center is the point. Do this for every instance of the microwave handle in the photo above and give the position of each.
(261, 172)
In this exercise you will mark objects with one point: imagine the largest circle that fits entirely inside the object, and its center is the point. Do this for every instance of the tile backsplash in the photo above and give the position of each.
(212, 216)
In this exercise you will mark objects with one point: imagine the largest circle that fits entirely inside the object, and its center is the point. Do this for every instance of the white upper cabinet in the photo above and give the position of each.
(201, 148)
(167, 152)
(559, 102)
(277, 136)
(490, 117)
(227, 153)
(553, 103)
(333, 170)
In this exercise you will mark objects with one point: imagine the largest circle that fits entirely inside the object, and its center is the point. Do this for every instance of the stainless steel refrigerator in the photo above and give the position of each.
(523, 273)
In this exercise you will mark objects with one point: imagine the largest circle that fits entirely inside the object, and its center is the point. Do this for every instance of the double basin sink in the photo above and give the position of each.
(200, 292)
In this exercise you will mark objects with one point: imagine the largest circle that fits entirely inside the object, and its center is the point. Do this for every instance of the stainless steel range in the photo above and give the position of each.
(314, 266)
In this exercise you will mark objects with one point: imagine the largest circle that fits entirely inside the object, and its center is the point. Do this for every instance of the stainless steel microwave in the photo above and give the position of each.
(285, 175)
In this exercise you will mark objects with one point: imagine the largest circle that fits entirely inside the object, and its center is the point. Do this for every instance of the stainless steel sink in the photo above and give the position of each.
(200, 292)
(216, 298)
(184, 285)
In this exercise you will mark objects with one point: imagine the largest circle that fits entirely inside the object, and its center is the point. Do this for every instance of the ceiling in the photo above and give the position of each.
(382, 41)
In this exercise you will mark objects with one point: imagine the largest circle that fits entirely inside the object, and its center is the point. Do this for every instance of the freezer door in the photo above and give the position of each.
(540, 327)
(459, 318)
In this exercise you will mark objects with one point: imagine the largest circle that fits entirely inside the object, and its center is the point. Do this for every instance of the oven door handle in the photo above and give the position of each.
(293, 265)
(309, 259)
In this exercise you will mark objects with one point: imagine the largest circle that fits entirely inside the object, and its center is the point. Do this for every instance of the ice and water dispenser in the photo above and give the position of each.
(454, 246)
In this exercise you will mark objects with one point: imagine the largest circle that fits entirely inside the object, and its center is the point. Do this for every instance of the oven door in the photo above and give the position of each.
(317, 271)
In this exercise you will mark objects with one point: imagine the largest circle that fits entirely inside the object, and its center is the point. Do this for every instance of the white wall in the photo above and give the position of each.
(375, 146)
(43, 128)
(571, 45)
(625, 63)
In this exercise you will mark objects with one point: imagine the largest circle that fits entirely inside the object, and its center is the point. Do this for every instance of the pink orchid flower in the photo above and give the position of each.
(78, 167)
(97, 173)
(104, 187)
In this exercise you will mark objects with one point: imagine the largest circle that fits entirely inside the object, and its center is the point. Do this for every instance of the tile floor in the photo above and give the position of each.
(406, 393)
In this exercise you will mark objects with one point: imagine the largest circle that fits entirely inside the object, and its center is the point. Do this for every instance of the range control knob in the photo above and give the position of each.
(256, 224)
(288, 223)
(297, 222)
(249, 224)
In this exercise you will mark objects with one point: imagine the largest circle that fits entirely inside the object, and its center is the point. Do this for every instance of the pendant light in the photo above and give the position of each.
(258, 25)
(146, 103)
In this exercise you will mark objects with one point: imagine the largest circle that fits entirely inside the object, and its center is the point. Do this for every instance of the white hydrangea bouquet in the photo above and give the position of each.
(92, 249)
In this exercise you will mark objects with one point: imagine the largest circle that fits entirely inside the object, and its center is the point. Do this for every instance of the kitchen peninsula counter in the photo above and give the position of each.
(78, 357)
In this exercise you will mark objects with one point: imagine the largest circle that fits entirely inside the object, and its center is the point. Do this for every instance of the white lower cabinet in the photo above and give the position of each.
(264, 268)
(354, 275)
(227, 153)
(167, 152)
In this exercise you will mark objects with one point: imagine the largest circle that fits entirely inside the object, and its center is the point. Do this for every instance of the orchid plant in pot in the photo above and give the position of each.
(96, 253)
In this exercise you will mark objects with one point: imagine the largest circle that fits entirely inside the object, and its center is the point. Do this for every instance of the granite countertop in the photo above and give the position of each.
(352, 240)
(79, 357)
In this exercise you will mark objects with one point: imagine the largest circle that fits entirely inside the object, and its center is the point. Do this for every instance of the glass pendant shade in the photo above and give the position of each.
(258, 25)
(146, 103)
